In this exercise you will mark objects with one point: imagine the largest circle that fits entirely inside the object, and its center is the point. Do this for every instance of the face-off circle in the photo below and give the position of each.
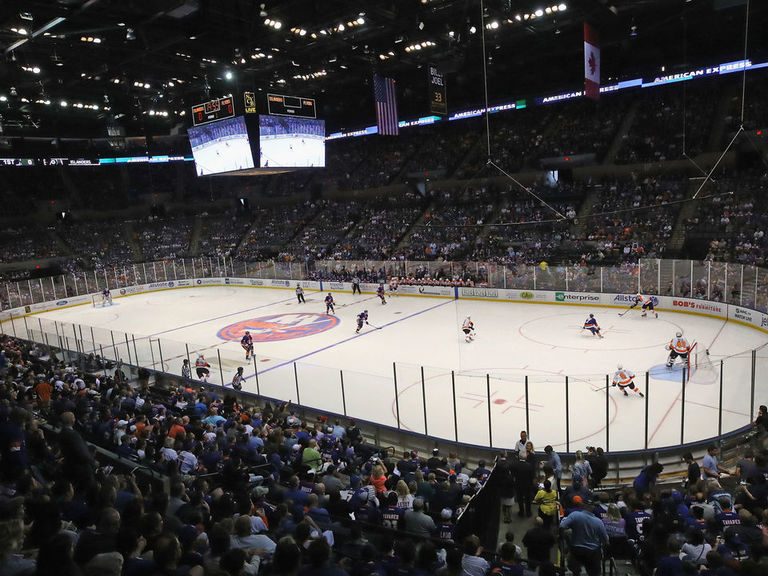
(279, 327)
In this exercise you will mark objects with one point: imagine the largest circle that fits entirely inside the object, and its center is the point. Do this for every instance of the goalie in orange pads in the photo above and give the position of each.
(678, 346)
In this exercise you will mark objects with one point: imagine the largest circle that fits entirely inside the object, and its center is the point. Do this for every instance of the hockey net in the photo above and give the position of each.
(692, 362)
(98, 300)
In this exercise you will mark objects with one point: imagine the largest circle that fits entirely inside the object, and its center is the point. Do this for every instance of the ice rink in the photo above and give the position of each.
(302, 151)
(223, 156)
(304, 355)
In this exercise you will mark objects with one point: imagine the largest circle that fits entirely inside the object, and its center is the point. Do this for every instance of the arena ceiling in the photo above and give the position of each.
(75, 67)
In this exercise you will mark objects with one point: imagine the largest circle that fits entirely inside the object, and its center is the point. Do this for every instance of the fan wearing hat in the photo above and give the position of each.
(588, 536)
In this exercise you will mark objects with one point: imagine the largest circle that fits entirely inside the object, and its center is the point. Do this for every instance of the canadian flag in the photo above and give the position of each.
(591, 63)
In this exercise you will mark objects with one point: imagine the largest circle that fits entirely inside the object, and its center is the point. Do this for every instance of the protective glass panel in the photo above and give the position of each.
(438, 390)
(410, 396)
(664, 411)
(620, 279)
(507, 408)
(737, 385)
(718, 281)
(546, 408)
(550, 278)
(520, 277)
(701, 280)
(372, 398)
(649, 276)
(320, 387)
(472, 401)
(586, 411)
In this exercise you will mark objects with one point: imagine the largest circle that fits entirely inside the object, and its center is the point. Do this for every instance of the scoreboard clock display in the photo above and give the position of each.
(281, 105)
(212, 111)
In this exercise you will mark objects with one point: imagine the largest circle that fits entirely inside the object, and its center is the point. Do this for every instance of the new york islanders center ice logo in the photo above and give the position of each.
(279, 327)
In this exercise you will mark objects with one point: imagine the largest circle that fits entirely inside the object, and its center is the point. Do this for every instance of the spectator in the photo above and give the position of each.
(710, 467)
(417, 522)
(587, 537)
(539, 542)
(472, 563)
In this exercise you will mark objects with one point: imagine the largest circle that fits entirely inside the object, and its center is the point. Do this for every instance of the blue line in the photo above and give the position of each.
(324, 348)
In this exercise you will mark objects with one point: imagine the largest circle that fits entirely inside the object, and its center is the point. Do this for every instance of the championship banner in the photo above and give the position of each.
(591, 63)
(438, 104)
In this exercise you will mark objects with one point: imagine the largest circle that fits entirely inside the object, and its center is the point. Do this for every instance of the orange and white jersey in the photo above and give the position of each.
(680, 345)
(640, 299)
(623, 377)
(467, 324)
(201, 363)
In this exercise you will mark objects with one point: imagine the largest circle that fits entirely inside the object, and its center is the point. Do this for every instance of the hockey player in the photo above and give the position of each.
(647, 304)
(393, 282)
(380, 293)
(106, 297)
(591, 325)
(625, 379)
(238, 379)
(468, 328)
(247, 343)
(201, 367)
(300, 294)
(678, 346)
(362, 318)
(329, 304)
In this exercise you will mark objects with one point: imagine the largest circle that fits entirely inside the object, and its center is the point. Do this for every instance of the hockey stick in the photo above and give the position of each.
(374, 326)
(603, 388)
(627, 310)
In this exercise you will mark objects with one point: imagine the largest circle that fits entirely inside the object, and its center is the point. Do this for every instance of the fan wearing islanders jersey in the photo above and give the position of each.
(591, 325)
(625, 379)
(678, 346)
(646, 302)
(247, 343)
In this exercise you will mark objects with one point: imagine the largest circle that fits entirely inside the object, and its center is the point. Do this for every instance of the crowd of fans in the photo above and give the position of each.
(190, 480)
(112, 476)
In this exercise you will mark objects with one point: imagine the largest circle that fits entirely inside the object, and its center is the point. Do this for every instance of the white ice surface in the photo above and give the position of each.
(543, 342)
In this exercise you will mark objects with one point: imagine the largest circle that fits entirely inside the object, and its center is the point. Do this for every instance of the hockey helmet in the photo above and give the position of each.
(619, 366)
(591, 315)
(365, 311)
(678, 334)
(639, 295)
(247, 332)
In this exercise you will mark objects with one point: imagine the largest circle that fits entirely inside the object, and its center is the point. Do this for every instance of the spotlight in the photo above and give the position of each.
(228, 75)
(129, 34)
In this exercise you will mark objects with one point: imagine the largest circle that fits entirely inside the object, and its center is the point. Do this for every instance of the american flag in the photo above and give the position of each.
(386, 105)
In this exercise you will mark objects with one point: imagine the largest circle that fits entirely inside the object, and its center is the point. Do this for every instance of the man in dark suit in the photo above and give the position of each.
(523, 474)
(78, 460)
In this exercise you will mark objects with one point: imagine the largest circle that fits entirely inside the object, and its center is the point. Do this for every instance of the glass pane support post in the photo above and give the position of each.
(682, 411)
(397, 399)
(488, 401)
(607, 413)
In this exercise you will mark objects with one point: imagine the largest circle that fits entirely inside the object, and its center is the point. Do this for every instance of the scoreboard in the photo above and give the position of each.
(281, 105)
(214, 110)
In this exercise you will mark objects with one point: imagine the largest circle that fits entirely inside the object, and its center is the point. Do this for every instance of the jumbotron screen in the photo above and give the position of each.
(291, 142)
(221, 146)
